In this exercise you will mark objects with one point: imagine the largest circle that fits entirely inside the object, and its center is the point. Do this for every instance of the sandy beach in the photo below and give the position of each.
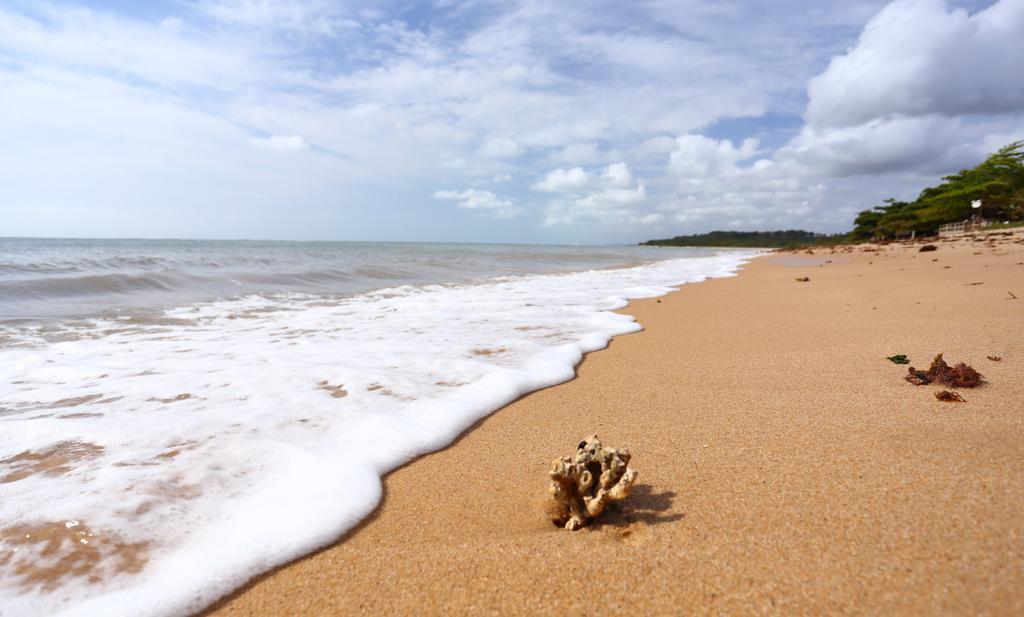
(785, 465)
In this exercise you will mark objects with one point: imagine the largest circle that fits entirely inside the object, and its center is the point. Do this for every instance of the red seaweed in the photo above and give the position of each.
(958, 376)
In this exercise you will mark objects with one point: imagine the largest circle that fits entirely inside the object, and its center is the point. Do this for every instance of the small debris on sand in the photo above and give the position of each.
(927, 248)
(994, 358)
(803, 279)
(898, 359)
(949, 397)
(916, 377)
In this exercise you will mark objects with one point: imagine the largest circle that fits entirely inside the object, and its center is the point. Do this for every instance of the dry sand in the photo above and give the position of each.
(785, 465)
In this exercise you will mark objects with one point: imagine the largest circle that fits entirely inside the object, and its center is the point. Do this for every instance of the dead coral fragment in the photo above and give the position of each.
(584, 484)
(949, 397)
(803, 279)
(994, 358)
(959, 376)
(927, 248)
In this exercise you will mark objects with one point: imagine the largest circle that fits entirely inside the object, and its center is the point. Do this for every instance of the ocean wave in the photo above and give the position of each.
(93, 284)
(53, 279)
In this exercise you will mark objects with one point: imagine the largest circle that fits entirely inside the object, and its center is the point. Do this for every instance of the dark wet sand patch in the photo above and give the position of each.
(74, 401)
(181, 397)
(382, 389)
(337, 391)
(56, 460)
(45, 556)
(482, 351)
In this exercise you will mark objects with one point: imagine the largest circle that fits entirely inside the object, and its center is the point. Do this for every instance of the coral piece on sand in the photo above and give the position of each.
(584, 484)
(898, 359)
(959, 376)
(949, 397)
(916, 377)
(803, 279)
(927, 248)
(994, 358)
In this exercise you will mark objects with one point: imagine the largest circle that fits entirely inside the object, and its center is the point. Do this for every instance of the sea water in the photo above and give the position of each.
(178, 416)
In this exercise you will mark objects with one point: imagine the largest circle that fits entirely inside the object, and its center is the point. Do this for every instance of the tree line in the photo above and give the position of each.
(998, 183)
(746, 239)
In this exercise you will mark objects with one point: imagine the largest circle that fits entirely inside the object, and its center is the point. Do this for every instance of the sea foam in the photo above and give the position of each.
(147, 467)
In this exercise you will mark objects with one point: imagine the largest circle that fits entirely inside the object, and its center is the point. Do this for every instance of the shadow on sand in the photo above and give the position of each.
(643, 506)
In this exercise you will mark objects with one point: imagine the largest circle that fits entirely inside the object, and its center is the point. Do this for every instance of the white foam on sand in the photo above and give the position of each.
(196, 451)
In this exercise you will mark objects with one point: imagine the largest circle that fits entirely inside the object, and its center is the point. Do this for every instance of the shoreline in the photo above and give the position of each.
(325, 427)
(785, 466)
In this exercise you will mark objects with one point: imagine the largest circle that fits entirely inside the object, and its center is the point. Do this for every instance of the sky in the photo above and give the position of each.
(478, 121)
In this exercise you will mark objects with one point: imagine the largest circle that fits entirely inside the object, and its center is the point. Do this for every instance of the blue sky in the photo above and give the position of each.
(490, 121)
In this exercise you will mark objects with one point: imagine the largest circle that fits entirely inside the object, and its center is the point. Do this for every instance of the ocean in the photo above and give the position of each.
(179, 416)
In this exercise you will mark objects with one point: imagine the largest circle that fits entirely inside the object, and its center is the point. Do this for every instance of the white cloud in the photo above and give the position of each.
(164, 53)
(475, 199)
(499, 148)
(724, 184)
(697, 156)
(920, 58)
(653, 150)
(308, 17)
(918, 92)
(564, 181)
(578, 154)
(617, 175)
(533, 95)
(470, 96)
(609, 197)
(880, 145)
(644, 220)
(280, 143)
(615, 196)
(926, 90)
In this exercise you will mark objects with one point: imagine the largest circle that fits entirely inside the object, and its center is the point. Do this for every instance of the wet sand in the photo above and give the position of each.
(785, 465)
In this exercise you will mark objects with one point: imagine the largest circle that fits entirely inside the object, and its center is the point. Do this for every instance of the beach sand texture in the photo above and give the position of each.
(785, 465)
